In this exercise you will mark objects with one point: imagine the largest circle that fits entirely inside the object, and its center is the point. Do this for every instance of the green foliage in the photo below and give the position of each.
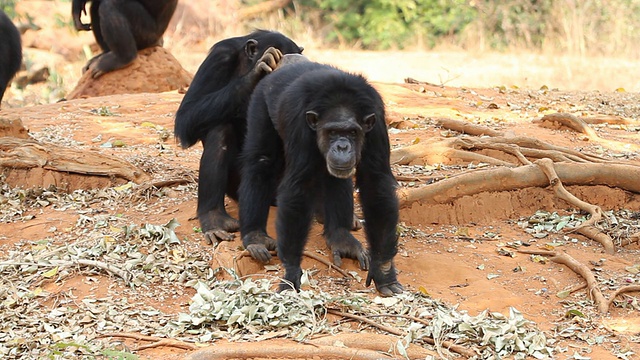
(9, 7)
(383, 24)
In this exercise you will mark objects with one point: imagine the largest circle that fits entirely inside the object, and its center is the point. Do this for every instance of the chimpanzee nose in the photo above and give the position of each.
(343, 147)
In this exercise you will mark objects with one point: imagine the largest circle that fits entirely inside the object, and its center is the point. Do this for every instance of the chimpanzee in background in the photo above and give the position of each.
(121, 28)
(10, 51)
(214, 111)
(320, 126)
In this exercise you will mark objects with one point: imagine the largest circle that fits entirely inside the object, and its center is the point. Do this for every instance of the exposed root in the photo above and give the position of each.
(466, 127)
(592, 284)
(586, 228)
(622, 290)
(445, 344)
(572, 122)
(507, 179)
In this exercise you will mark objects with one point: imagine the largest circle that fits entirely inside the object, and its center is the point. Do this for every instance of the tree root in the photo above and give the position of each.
(587, 228)
(579, 125)
(446, 344)
(622, 290)
(506, 179)
(592, 284)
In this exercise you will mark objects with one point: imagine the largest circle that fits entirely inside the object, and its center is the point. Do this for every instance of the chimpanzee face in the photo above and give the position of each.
(340, 136)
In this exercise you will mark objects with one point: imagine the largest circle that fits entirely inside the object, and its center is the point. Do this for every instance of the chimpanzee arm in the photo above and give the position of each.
(217, 95)
(380, 207)
(77, 8)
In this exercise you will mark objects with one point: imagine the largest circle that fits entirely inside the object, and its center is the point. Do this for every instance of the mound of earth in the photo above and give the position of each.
(155, 70)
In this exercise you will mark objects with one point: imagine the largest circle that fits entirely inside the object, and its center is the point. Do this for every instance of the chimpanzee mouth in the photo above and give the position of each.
(342, 173)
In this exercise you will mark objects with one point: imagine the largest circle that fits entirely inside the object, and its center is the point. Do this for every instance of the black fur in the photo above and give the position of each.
(121, 28)
(281, 144)
(10, 51)
(214, 111)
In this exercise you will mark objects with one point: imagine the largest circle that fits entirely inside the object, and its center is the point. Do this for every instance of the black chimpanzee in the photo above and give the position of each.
(10, 51)
(319, 126)
(121, 28)
(214, 111)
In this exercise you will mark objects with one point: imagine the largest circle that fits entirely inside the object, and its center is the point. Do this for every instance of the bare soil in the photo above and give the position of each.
(448, 250)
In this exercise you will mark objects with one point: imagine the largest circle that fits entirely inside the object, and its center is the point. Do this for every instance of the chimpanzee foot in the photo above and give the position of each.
(357, 224)
(258, 244)
(292, 276)
(218, 226)
(344, 245)
(384, 277)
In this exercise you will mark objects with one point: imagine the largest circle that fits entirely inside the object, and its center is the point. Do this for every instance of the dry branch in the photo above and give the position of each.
(155, 341)
(506, 179)
(286, 350)
(580, 269)
(26, 154)
(305, 253)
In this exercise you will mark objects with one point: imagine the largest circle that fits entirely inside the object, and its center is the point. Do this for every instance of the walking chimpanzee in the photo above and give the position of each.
(310, 129)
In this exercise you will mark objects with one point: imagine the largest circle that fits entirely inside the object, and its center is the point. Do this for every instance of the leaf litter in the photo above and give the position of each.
(152, 261)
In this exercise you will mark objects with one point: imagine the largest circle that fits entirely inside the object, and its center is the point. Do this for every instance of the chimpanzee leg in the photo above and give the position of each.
(338, 220)
(380, 206)
(295, 212)
(219, 152)
(116, 19)
(95, 25)
(261, 163)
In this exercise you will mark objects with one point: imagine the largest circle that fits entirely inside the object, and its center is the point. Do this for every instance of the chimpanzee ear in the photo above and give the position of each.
(251, 48)
(368, 122)
(312, 120)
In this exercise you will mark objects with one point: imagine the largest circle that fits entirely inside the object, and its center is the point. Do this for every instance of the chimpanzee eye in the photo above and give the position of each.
(352, 133)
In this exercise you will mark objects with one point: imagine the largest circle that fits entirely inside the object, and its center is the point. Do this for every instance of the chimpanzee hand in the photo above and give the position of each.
(218, 226)
(384, 276)
(268, 62)
(258, 244)
(344, 245)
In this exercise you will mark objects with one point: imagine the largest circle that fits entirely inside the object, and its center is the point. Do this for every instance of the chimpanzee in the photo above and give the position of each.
(121, 28)
(214, 111)
(319, 126)
(10, 51)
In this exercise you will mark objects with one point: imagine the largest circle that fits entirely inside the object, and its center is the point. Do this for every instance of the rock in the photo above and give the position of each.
(154, 70)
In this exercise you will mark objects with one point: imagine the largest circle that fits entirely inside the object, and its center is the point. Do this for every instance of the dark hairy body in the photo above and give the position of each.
(122, 28)
(310, 128)
(10, 51)
(214, 111)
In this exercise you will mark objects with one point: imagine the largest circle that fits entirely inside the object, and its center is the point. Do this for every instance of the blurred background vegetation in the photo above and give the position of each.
(585, 27)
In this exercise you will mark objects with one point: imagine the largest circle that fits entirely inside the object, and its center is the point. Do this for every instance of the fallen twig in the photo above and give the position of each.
(308, 254)
(112, 269)
(156, 341)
